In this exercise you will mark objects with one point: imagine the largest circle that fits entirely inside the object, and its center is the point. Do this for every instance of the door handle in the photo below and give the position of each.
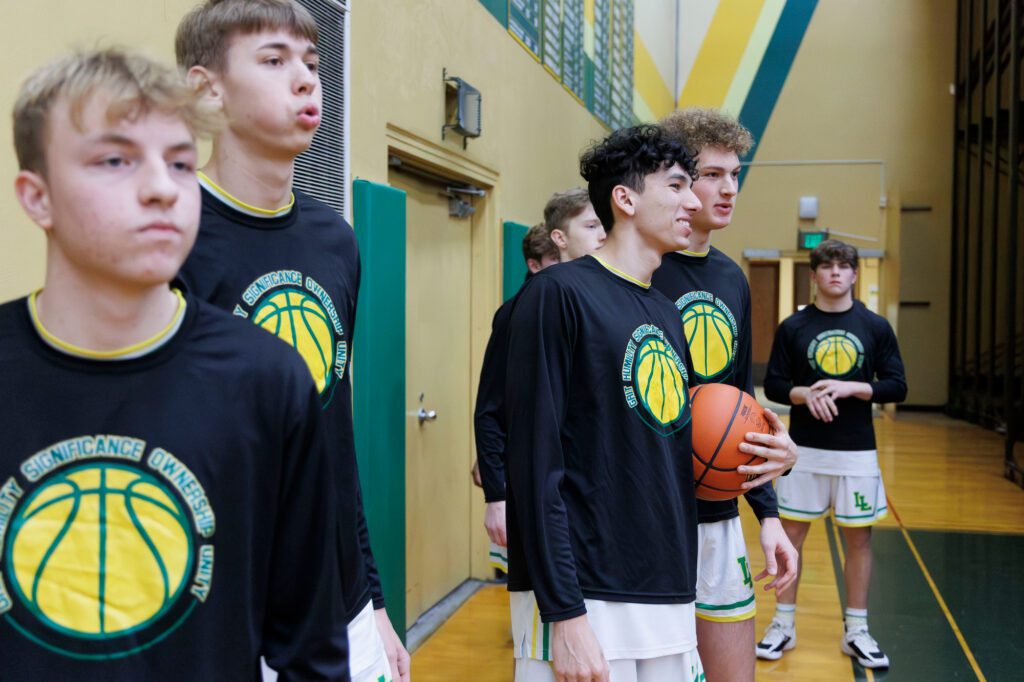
(425, 415)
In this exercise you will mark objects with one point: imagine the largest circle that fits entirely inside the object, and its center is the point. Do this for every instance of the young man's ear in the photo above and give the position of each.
(533, 265)
(34, 196)
(202, 80)
(560, 238)
(624, 199)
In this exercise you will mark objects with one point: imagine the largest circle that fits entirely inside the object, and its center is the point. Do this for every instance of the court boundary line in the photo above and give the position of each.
(938, 595)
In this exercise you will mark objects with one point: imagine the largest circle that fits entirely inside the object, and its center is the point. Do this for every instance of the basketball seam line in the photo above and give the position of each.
(710, 462)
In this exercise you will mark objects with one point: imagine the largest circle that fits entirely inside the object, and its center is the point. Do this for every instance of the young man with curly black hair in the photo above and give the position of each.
(602, 516)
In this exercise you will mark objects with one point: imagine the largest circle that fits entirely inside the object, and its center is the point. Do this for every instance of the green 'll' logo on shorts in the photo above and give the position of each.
(747, 580)
(860, 502)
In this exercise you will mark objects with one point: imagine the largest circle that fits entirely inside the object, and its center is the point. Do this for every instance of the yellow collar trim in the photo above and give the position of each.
(697, 254)
(239, 205)
(620, 273)
(127, 353)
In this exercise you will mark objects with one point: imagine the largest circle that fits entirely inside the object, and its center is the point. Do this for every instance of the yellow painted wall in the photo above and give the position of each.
(36, 32)
(533, 130)
(870, 81)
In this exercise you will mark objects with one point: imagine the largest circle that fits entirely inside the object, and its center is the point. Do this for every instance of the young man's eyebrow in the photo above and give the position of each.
(116, 138)
(182, 147)
(285, 47)
(720, 169)
(679, 176)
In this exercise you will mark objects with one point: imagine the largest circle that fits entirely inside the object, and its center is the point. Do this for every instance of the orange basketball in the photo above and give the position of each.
(722, 417)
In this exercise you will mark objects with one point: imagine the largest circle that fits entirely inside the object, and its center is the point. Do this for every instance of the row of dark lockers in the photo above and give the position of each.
(986, 361)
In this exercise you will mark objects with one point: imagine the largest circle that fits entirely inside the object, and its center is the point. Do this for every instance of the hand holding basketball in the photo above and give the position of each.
(777, 450)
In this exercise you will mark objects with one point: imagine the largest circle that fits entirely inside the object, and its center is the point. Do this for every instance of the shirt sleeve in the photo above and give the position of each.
(304, 632)
(488, 419)
(778, 380)
(745, 350)
(890, 385)
(763, 501)
(541, 338)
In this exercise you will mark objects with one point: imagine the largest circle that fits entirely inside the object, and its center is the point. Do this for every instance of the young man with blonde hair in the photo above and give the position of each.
(575, 227)
(280, 258)
(713, 298)
(165, 508)
(831, 361)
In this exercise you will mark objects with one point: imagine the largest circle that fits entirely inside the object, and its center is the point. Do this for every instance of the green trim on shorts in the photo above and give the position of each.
(546, 648)
(725, 607)
(497, 555)
(804, 511)
(863, 516)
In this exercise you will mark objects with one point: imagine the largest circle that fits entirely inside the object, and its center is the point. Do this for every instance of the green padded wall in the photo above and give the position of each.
(513, 265)
(379, 410)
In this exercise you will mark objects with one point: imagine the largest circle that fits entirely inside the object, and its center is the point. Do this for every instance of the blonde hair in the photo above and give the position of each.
(136, 85)
(205, 33)
(696, 128)
(564, 206)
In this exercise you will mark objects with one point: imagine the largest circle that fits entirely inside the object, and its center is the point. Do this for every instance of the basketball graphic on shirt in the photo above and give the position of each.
(99, 551)
(660, 384)
(655, 381)
(298, 318)
(711, 334)
(836, 353)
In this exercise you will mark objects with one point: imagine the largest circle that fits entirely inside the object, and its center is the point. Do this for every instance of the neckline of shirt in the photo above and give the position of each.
(620, 274)
(237, 204)
(138, 350)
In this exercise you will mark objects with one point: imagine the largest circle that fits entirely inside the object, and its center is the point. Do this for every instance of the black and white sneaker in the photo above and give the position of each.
(777, 639)
(862, 646)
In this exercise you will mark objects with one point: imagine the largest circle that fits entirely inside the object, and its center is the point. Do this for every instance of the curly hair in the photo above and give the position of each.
(696, 128)
(626, 157)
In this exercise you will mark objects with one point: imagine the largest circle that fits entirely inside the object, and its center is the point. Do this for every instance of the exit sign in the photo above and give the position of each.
(808, 239)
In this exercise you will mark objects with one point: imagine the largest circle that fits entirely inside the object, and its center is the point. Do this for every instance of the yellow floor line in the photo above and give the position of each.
(938, 596)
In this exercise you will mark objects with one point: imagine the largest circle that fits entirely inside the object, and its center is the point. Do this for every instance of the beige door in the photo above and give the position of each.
(437, 366)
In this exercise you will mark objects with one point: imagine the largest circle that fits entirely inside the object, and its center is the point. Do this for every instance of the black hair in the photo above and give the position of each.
(626, 157)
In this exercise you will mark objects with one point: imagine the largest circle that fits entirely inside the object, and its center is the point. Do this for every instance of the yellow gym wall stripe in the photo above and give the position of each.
(721, 52)
(588, 28)
(643, 112)
(752, 56)
(647, 80)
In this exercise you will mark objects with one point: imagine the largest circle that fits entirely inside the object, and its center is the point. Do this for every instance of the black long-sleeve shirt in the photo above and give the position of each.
(600, 497)
(297, 276)
(713, 299)
(854, 345)
(489, 416)
(165, 517)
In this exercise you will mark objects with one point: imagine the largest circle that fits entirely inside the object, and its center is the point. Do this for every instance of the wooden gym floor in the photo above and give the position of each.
(947, 595)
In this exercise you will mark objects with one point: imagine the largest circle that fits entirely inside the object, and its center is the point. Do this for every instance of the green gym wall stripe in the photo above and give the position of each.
(775, 65)
(513, 265)
(378, 377)
(499, 9)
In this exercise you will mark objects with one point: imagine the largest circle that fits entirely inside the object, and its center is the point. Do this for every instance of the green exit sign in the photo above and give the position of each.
(808, 239)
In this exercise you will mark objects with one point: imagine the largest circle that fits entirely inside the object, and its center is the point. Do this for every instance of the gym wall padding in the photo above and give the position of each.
(513, 266)
(379, 404)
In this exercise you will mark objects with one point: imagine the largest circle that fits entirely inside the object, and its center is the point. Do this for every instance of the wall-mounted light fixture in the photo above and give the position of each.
(462, 108)
(808, 208)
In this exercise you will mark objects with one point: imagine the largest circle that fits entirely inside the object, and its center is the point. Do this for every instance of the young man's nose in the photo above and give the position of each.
(157, 185)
